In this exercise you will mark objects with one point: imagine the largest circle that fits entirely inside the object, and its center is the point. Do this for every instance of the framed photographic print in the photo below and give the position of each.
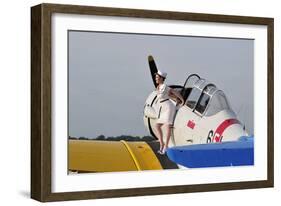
(128, 102)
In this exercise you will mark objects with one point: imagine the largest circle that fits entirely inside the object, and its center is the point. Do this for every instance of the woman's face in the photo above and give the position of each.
(158, 79)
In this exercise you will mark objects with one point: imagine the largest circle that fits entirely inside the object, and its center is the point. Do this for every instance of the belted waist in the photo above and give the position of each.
(164, 100)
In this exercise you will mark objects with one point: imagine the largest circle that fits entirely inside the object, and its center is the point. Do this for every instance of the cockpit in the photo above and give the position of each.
(203, 97)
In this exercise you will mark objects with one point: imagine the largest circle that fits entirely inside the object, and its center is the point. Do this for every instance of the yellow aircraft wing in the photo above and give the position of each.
(113, 156)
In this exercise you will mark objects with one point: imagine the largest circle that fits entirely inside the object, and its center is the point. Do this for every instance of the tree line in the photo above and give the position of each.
(116, 138)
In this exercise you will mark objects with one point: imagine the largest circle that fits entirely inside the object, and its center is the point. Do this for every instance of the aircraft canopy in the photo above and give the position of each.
(205, 99)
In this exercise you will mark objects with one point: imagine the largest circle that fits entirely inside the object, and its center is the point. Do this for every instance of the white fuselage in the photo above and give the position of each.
(192, 128)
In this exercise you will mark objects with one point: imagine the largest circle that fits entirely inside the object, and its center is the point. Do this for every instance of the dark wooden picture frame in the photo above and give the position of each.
(41, 117)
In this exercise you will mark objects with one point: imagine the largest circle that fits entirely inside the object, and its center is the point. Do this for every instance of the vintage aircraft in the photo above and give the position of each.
(206, 133)
(206, 117)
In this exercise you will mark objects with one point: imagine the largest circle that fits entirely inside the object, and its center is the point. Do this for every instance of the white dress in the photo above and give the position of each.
(166, 108)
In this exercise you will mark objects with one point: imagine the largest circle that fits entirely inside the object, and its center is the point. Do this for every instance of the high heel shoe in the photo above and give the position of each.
(162, 152)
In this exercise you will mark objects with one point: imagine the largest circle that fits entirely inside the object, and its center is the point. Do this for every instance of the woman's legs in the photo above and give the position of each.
(168, 135)
(160, 136)
(168, 128)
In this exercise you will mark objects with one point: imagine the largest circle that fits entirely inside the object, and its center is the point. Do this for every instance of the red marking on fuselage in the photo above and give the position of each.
(191, 124)
(219, 131)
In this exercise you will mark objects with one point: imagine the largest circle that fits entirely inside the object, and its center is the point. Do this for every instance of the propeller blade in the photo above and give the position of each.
(153, 68)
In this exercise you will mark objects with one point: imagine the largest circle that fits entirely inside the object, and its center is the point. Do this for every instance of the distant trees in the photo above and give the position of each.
(83, 138)
(123, 137)
(100, 137)
(117, 138)
(148, 138)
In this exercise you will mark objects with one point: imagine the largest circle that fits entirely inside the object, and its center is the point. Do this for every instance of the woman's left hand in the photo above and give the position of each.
(182, 103)
(177, 95)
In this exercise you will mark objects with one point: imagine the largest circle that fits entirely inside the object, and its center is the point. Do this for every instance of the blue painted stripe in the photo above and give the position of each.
(236, 153)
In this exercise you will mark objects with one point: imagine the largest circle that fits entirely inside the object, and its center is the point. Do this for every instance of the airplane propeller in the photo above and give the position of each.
(153, 68)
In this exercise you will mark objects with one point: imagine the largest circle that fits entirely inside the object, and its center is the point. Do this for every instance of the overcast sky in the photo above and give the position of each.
(109, 77)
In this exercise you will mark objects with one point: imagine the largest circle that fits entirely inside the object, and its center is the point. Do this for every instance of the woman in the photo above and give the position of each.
(166, 109)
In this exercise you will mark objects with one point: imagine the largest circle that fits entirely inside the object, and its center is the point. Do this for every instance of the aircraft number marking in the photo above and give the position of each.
(216, 137)
(210, 135)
